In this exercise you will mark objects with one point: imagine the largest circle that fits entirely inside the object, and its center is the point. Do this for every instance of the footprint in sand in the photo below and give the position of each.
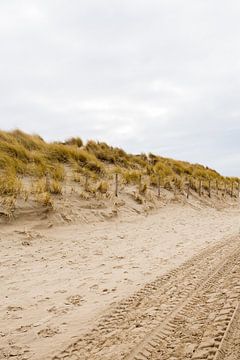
(94, 287)
(146, 273)
(16, 352)
(26, 243)
(14, 308)
(105, 291)
(75, 300)
(60, 292)
(58, 310)
(24, 328)
(41, 300)
(48, 332)
(118, 267)
(70, 262)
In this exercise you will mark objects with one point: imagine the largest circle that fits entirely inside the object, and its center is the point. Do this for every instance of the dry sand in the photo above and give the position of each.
(57, 283)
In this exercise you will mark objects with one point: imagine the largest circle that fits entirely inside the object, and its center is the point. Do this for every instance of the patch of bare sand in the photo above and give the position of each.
(56, 282)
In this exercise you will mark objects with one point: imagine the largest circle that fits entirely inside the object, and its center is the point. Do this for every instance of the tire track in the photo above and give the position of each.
(154, 314)
(165, 338)
(229, 348)
(214, 348)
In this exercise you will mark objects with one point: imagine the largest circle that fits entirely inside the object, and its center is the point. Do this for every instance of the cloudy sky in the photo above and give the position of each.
(147, 75)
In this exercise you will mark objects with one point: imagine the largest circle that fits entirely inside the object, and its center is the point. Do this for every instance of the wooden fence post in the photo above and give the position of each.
(86, 183)
(140, 183)
(217, 187)
(200, 188)
(116, 185)
(159, 187)
(225, 188)
(238, 188)
(175, 188)
(188, 188)
(232, 188)
(209, 188)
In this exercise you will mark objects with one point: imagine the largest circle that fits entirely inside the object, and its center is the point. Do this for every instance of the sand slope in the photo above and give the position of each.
(57, 282)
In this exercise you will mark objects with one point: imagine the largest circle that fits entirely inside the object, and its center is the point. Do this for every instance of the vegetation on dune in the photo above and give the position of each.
(10, 185)
(107, 153)
(24, 156)
(74, 141)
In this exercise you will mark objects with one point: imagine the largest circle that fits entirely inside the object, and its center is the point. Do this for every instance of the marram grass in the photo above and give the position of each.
(24, 156)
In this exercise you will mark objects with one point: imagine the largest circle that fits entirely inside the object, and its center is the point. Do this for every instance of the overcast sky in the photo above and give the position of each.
(159, 76)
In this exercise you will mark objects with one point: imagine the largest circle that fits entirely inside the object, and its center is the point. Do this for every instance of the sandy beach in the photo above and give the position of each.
(56, 283)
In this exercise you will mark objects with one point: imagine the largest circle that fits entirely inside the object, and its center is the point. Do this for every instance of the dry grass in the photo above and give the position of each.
(132, 177)
(40, 186)
(77, 141)
(45, 185)
(57, 172)
(45, 199)
(103, 187)
(8, 205)
(10, 184)
(92, 166)
(107, 153)
(55, 187)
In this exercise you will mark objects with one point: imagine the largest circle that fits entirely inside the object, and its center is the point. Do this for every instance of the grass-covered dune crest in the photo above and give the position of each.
(33, 168)
(31, 155)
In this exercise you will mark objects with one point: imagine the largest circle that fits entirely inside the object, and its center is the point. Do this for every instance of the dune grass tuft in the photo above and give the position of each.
(103, 187)
(10, 184)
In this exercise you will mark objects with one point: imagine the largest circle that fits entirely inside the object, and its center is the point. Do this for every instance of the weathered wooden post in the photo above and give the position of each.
(140, 183)
(232, 185)
(159, 187)
(86, 183)
(225, 188)
(188, 188)
(209, 188)
(238, 188)
(116, 185)
(200, 188)
(217, 187)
